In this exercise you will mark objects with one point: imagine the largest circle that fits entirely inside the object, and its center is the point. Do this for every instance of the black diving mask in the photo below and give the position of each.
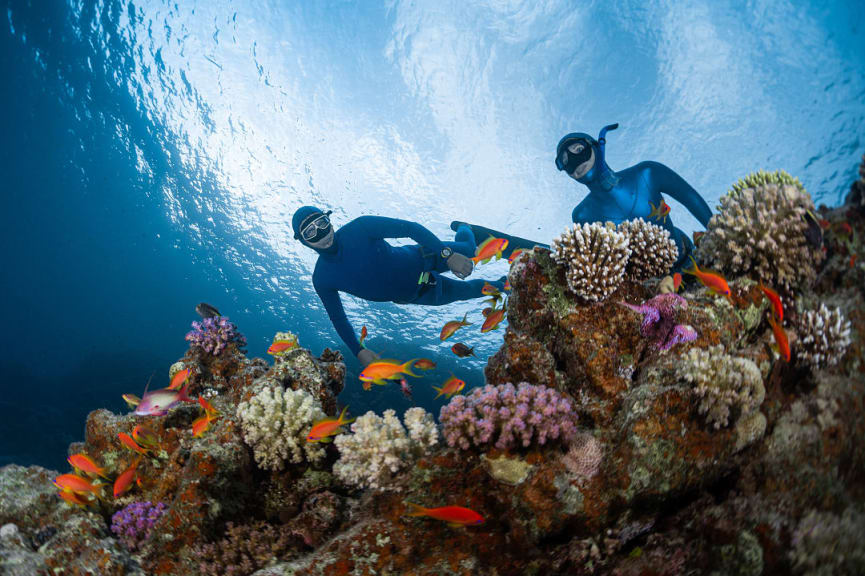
(569, 161)
(317, 228)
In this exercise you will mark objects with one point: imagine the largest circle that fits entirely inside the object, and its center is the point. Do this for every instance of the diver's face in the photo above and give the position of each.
(581, 169)
(324, 242)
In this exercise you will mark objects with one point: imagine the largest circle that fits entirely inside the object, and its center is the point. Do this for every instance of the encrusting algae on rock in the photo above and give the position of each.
(594, 448)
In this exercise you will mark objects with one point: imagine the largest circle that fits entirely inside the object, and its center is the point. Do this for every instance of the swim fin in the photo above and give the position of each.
(514, 242)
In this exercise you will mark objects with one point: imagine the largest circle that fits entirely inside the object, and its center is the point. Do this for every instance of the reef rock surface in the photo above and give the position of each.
(709, 455)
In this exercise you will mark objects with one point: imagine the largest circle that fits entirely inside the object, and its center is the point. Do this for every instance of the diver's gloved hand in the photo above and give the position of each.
(366, 357)
(460, 265)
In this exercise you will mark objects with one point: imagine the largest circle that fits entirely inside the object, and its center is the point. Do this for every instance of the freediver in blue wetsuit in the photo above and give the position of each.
(615, 196)
(629, 193)
(356, 259)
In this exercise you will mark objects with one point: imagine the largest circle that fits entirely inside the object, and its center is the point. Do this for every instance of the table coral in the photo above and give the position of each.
(275, 422)
(379, 446)
(508, 416)
(595, 256)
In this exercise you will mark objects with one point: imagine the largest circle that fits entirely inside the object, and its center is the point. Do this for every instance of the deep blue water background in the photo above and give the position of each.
(153, 153)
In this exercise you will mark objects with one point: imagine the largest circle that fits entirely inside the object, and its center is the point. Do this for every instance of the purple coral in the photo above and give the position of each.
(659, 321)
(508, 416)
(214, 334)
(133, 524)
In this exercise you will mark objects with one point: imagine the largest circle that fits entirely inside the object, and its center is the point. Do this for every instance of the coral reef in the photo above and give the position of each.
(507, 417)
(379, 447)
(214, 334)
(727, 386)
(595, 257)
(244, 549)
(659, 321)
(653, 251)
(824, 336)
(760, 230)
(766, 480)
(274, 423)
(133, 524)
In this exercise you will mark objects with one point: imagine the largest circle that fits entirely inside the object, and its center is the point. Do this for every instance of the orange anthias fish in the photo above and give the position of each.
(677, 282)
(455, 516)
(178, 379)
(493, 319)
(424, 364)
(131, 400)
(489, 248)
(209, 410)
(124, 481)
(324, 430)
(200, 425)
(514, 255)
(281, 346)
(144, 436)
(127, 441)
(84, 463)
(507, 285)
(452, 385)
(75, 499)
(775, 299)
(711, 280)
(490, 290)
(660, 212)
(363, 335)
(780, 339)
(378, 372)
(452, 326)
(77, 484)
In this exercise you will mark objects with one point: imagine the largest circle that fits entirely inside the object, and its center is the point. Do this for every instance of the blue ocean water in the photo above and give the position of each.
(154, 151)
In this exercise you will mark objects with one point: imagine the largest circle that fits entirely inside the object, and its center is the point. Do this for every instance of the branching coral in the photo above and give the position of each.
(824, 336)
(274, 423)
(214, 334)
(379, 447)
(653, 252)
(244, 549)
(133, 524)
(759, 230)
(659, 321)
(727, 386)
(595, 257)
(506, 417)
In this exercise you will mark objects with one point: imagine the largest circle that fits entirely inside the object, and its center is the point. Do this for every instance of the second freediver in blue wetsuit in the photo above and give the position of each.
(356, 260)
(616, 196)
(629, 193)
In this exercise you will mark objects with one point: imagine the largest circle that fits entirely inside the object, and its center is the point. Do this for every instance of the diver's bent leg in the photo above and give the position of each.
(686, 249)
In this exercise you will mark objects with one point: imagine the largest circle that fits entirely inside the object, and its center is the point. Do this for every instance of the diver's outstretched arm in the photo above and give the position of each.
(674, 185)
(333, 306)
(382, 227)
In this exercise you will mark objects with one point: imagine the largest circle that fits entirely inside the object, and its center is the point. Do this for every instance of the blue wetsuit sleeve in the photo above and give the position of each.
(675, 186)
(382, 227)
(333, 305)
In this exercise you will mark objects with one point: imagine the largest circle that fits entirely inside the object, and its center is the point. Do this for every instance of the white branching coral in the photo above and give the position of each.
(595, 256)
(653, 252)
(274, 423)
(728, 387)
(759, 231)
(379, 447)
(824, 336)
